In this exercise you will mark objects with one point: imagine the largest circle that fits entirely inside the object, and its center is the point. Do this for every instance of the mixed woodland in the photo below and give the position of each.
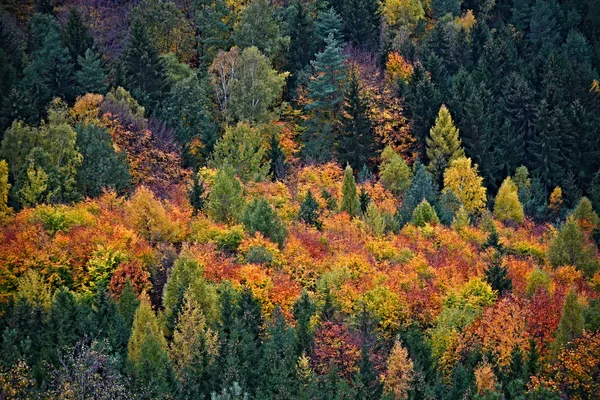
(300, 199)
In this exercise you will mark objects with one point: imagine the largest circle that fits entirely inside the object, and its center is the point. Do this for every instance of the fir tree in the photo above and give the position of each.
(350, 200)
(325, 94)
(361, 22)
(496, 275)
(197, 193)
(277, 159)
(328, 23)
(443, 144)
(260, 217)
(145, 75)
(356, 145)
(300, 28)
(364, 199)
(422, 188)
(91, 77)
(303, 311)
(309, 211)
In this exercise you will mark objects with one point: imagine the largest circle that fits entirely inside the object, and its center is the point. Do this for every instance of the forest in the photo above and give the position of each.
(300, 199)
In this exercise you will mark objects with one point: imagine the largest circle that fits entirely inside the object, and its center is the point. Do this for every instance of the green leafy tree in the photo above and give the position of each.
(443, 144)
(394, 173)
(507, 207)
(102, 167)
(571, 323)
(77, 36)
(256, 87)
(34, 186)
(91, 77)
(309, 211)
(350, 200)
(225, 200)
(145, 75)
(258, 26)
(325, 93)
(424, 214)
(570, 247)
(5, 210)
(356, 144)
(260, 217)
(243, 148)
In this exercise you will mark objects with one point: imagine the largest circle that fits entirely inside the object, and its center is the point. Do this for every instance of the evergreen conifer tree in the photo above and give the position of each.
(260, 217)
(571, 323)
(225, 201)
(496, 275)
(77, 36)
(443, 144)
(91, 77)
(309, 211)
(356, 145)
(350, 200)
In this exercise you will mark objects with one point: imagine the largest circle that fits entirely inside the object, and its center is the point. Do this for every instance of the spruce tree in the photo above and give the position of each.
(356, 145)
(325, 94)
(277, 159)
(309, 211)
(77, 36)
(364, 199)
(443, 144)
(350, 200)
(422, 188)
(545, 147)
(300, 28)
(91, 77)
(145, 75)
(328, 23)
(443, 7)
(196, 193)
(361, 22)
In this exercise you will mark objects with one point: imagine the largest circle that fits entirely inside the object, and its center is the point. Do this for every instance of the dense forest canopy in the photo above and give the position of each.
(300, 199)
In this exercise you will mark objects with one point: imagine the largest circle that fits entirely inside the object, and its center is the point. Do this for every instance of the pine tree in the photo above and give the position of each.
(213, 25)
(496, 275)
(507, 207)
(444, 144)
(325, 94)
(145, 75)
(309, 211)
(77, 36)
(91, 77)
(571, 323)
(350, 200)
(356, 144)
(260, 217)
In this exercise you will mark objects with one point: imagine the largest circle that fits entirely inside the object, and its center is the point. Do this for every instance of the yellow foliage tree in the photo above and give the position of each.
(555, 201)
(485, 378)
(400, 372)
(507, 207)
(463, 179)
